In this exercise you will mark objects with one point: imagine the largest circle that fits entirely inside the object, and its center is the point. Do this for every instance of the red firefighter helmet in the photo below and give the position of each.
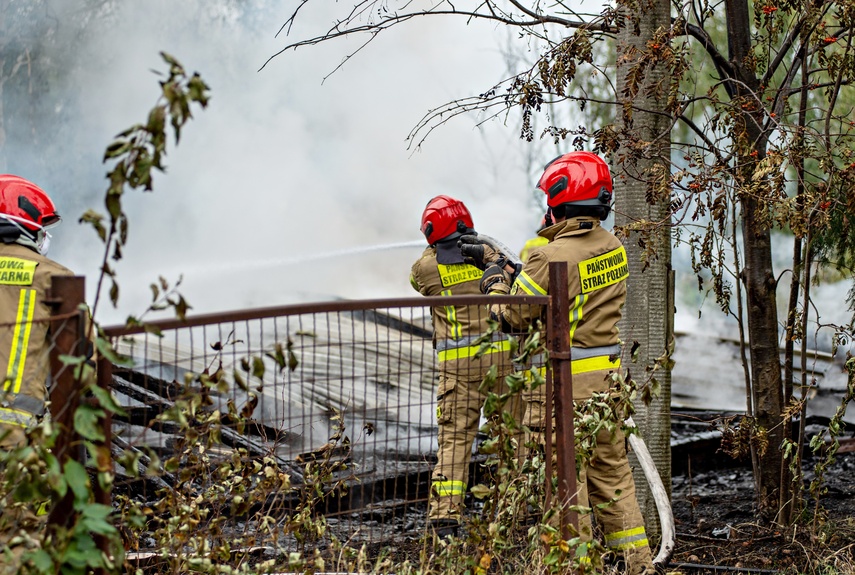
(577, 178)
(26, 204)
(444, 217)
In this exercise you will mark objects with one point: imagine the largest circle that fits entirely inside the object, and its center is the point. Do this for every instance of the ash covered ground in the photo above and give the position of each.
(717, 522)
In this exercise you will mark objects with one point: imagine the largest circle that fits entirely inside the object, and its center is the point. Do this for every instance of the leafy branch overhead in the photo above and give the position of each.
(136, 153)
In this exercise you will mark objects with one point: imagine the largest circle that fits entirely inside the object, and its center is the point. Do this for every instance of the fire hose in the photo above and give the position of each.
(660, 496)
(500, 247)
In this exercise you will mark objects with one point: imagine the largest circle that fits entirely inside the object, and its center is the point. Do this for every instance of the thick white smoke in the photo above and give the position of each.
(283, 164)
(292, 161)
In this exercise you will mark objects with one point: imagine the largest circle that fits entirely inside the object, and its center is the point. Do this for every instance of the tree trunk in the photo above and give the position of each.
(642, 193)
(771, 477)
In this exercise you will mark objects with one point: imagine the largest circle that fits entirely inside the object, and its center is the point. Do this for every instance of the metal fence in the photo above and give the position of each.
(340, 397)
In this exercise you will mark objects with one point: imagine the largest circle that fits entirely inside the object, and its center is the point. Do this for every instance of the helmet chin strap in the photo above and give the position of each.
(41, 243)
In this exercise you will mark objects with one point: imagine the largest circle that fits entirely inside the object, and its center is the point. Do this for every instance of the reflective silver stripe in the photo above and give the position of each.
(27, 403)
(584, 353)
(466, 341)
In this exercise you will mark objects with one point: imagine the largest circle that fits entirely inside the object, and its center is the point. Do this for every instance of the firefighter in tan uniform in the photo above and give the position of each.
(579, 192)
(440, 271)
(25, 278)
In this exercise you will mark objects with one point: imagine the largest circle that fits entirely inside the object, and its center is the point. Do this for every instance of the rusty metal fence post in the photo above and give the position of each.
(68, 331)
(104, 462)
(560, 373)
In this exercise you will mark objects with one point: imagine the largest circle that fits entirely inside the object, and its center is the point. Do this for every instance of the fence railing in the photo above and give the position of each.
(339, 398)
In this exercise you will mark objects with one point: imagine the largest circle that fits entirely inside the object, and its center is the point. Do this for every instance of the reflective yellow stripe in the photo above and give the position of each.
(451, 315)
(596, 363)
(576, 313)
(448, 488)
(528, 285)
(627, 539)
(589, 364)
(20, 339)
(16, 417)
(471, 350)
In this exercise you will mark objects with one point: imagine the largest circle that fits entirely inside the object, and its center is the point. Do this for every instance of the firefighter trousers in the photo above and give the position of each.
(458, 414)
(605, 483)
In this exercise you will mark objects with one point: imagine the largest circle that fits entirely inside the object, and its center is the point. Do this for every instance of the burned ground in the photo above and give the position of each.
(717, 528)
(716, 519)
(717, 522)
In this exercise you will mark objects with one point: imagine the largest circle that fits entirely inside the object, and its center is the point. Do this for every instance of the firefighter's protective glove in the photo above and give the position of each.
(496, 280)
(477, 252)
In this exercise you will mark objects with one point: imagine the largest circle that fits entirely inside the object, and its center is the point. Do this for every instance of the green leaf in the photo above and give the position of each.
(480, 491)
(114, 293)
(278, 356)
(489, 381)
(508, 420)
(116, 148)
(95, 220)
(153, 330)
(94, 519)
(77, 480)
(240, 381)
(172, 465)
(169, 59)
(515, 382)
(257, 367)
(88, 422)
(197, 89)
(106, 349)
(491, 404)
(489, 447)
(156, 120)
(41, 560)
(113, 202)
(71, 359)
(106, 400)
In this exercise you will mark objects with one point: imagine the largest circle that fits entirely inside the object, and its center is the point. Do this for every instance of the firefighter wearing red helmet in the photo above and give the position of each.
(26, 273)
(441, 271)
(578, 188)
(26, 213)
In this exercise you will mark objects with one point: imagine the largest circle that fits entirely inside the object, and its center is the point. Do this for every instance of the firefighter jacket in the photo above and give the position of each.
(456, 328)
(25, 280)
(597, 270)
